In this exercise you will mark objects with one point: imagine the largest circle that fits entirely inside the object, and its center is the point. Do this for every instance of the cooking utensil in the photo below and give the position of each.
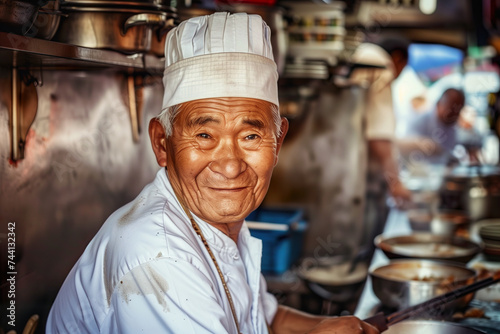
(47, 21)
(382, 322)
(129, 30)
(151, 4)
(407, 282)
(362, 255)
(334, 278)
(490, 235)
(475, 189)
(447, 222)
(487, 268)
(17, 16)
(430, 327)
(428, 246)
(420, 219)
(160, 35)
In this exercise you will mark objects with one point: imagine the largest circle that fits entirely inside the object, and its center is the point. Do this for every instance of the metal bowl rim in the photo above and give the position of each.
(472, 247)
(450, 264)
(422, 322)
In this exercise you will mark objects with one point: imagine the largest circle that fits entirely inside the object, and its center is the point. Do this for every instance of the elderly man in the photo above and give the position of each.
(431, 137)
(179, 258)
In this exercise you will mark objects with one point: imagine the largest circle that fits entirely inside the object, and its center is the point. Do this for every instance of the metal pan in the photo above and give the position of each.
(428, 246)
(430, 327)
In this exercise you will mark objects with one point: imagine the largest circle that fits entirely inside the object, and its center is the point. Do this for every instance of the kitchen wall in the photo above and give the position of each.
(322, 168)
(80, 165)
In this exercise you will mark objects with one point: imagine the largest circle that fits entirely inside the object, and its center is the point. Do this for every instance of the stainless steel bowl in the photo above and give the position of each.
(430, 327)
(428, 246)
(420, 219)
(336, 278)
(407, 282)
(448, 222)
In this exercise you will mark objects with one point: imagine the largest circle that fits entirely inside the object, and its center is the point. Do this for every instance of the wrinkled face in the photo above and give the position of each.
(221, 155)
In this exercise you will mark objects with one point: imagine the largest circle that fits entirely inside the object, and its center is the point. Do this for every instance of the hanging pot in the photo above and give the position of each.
(163, 5)
(18, 16)
(47, 21)
(129, 30)
(159, 37)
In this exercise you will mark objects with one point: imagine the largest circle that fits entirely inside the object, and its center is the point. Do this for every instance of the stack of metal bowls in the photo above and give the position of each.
(490, 234)
(128, 26)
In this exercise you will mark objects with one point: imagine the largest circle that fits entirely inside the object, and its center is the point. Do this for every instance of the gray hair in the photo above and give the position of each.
(168, 115)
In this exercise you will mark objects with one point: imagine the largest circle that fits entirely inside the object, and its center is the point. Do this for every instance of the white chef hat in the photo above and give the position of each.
(219, 55)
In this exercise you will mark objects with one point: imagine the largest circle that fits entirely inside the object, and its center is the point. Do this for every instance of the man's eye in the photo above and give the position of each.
(203, 135)
(252, 137)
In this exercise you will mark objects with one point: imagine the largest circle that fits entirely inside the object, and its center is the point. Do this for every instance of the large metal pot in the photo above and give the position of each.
(430, 327)
(159, 37)
(129, 30)
(404, 283)
(18, 16)
(151, 4)
(47, 21)
(474, 189)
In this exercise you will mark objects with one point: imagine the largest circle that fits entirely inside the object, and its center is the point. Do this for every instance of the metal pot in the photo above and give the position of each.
(448, 222)
(430, 327)
(151, 4)
(339, 278)
(17, 16)
(159, 37)
(407, 282)
(129, 30)
(47, 21)
(474, 189)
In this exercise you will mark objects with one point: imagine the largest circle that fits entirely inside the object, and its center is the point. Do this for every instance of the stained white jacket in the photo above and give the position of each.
(146, 271)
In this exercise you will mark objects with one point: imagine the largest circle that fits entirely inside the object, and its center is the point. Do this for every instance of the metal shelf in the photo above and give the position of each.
(33, 53)
(21, 55)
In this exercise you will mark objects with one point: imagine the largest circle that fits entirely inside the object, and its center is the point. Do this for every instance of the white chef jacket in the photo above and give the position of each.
(147, 271)
(380, 121)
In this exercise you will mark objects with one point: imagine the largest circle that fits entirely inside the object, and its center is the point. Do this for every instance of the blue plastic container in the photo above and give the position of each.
(281, 232)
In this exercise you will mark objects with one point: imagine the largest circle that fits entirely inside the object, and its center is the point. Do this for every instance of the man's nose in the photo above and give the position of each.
(228, 161)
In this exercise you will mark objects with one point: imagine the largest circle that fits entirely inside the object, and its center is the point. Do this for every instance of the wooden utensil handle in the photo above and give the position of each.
(378, 320)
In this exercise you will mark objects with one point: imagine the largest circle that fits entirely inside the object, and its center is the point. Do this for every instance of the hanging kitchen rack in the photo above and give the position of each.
(26, 55)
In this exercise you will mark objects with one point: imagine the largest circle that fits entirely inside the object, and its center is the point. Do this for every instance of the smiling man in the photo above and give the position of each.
(179, 258)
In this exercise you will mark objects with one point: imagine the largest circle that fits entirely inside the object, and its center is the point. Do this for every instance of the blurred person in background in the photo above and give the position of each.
(432, 136)
(390, 56)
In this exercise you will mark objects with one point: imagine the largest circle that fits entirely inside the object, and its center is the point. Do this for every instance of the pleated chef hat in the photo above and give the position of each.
(219, 55)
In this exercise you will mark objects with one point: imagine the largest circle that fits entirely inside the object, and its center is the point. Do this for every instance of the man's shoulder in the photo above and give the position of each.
(149, 225)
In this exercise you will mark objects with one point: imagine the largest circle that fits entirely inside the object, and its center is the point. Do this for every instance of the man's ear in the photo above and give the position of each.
(158, 141)
(284, 130)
